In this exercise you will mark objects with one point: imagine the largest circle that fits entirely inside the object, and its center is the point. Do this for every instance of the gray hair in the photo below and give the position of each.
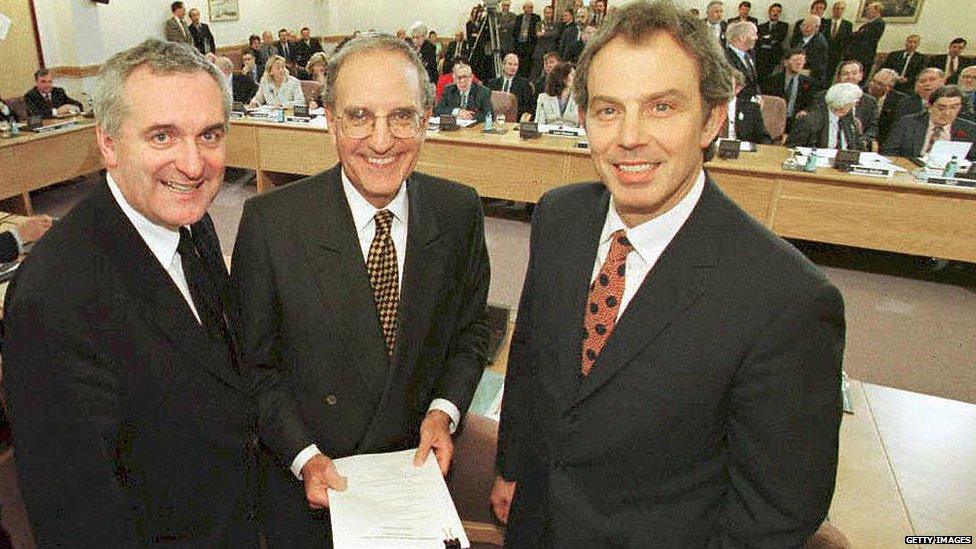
(934, 70)
(712, 3)
(813, 20)
(418, 29)
(377, 42)
(161, 58)
(839, 95)
(225, 64)
(888, 76)
(738, 29)
(636, 21)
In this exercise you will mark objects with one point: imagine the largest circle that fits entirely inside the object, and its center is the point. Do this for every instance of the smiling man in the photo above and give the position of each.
(363, 291)
(674, 376)
(133, 425)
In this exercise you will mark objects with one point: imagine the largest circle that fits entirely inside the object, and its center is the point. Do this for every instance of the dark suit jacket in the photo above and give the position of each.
(709, 419)
(244, 87)
(479, 101)
(911, 104)
(453, 52)
(818, 56)
(303, 51)
(889, 109)
(173, 31)
(522, 89)
(36, 104)
(769, 46)
(534, 21)
(863, 43)
(866, 112)
(131, 424)
(896, 61)
(8, 247)
(908, 136)
(806, 90)
(749, 124)
(570, 45)
(202, 37)
(813, 130)
(428, 55)
(939, 62)
(750, 18)
(751, 85)
(279, 49)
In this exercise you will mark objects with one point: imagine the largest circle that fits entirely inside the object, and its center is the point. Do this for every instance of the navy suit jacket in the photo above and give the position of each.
(479, 101)
(908, 136)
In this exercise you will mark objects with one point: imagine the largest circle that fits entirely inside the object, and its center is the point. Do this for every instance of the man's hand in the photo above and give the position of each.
(465, 114)
(320, 474)
(435, 434)
(33, 228)
(502, 493)
(67, 109)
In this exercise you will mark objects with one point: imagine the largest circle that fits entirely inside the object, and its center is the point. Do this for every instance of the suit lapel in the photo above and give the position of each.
(679, 278)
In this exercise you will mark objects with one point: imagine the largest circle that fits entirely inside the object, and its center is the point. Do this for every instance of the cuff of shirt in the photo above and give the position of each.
(456, 111)
(302, 458)
(20, 243)
(448, 408)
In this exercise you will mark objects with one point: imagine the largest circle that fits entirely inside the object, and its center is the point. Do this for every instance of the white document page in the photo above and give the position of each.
(389, 503)
(943, 151)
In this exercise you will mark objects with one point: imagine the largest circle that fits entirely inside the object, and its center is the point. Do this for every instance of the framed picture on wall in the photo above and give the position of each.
(895, 11)
(223, 10)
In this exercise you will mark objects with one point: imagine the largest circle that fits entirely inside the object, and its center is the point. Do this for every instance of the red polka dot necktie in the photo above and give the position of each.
(603, 302)
(381, 264)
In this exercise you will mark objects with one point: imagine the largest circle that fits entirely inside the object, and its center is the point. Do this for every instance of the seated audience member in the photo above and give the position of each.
(881, 88)
(267, 49)
(929, 80)
(556, 105)
(47, 100)
(967, 83)
(952, 62)
(249, 66)
(285, 46)
(315, 71)
(277, 88)
(241, 85)
(866, 110)
(834, 125)
(12, 242)
(465, 98)
(306, 47)
(520, 86)
(425, 49)
(914, 135)
(254, 48)
(906, 63)
(792, 85)
(815, 45)
(550, 61)
(453, 52)
(744, 119)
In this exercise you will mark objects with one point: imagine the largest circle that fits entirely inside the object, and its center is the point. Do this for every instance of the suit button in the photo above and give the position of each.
(331, 400)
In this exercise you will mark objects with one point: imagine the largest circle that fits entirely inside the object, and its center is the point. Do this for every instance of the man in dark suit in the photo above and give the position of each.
(571, 39)
(512, 83)
(48, 101)
(714, 24)
(132, 422)
(863, 43)
(465, 98)
(175, 29)
(817, 8)
(792, 85)
(967, 83)
(29, 230)
(952, 62)
(906, 63)
(203, 39)
(815, 45)
(363, 291)
(740, 37)
(651, 399)
(425, 49)
(242, 86)
(769, 46)
(831, 124)
(454, 51)
(929, 80)
(865, 111)
(306, 47)
(743, 15)
(526, 34)
(744, 119)
(881, 88)
(284, 47)
(837, 31)
(914, 135)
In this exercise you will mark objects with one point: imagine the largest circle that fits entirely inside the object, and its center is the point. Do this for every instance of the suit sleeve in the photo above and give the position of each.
(897, 136)
(66, 401)
(171, 32)
(36, 105)
(443, 107)
(281, 426)
(8, 246)
(801, 134)
(785, 412)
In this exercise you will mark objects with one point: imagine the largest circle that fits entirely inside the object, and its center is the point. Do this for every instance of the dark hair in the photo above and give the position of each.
(41, 72)
(776, 5)
(846, 62)
(175, 6)
(746, 4)
(793, 51)
(945, 91)
(252, 38)
(556, 81)
(552, 54)
(959, 40)
(815, 2)
(305, 29)
(281, 31)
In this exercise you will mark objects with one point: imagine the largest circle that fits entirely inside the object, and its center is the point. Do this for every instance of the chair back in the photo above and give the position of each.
(312, 90)
(471, 477)
(505, 103)
(236, 57)
(774, 116)
(19, 107)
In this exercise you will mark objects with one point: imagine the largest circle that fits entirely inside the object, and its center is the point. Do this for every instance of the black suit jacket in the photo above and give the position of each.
(813, 130)
(8, 247)
(866, 112)
(750, 18)
(479, 101)
(939, 62)
(36, 104)
(303, 51)
(750, 87)
(534, 21)
(863, 43)
(818, 56)
(523, 90)
(806, 90)
(709, 419)
(244, 87)
(428, 55)
(911, 104)
(908, 136)
(749, 124)
(202, 37)
(896, 62)
(769, 46)
(131, 424)
(453, 52)
(570, 45)
(889, 110)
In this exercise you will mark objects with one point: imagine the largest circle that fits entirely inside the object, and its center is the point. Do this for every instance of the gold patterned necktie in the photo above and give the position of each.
(381, 264)
(603, 302)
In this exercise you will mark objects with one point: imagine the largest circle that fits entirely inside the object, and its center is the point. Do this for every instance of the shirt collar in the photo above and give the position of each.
(162, 241)
(740, 53)
(363, 212)
(652, 236)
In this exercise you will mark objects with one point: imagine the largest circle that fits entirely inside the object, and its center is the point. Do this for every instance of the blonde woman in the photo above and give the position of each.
(315, 71)
(277, 88)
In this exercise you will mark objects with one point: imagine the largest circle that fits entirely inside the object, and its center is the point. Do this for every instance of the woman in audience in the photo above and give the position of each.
(277, 87)
(556, 106)
(315, 71)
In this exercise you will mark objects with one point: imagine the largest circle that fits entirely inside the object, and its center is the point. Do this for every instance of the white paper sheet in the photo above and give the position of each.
(943, 151)
(4, 26)
(462, 123)
(389, 503)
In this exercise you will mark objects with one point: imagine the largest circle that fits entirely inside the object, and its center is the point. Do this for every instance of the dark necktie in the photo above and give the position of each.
(751, 66)
(938, 133)
(904, 68)
(507, 85)
(381, 264)
(203, 288)
(603, 301)
(47, 97)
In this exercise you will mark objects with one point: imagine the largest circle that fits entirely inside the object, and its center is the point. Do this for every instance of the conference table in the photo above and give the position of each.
(896, 214)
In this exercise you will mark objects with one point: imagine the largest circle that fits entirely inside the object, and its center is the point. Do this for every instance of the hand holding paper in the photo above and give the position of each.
(435, 434)
(320, 475)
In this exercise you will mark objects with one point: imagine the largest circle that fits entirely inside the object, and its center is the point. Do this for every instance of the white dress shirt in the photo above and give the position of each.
(730, 118)
(649, 239)
(834, 132)
(363, 214)
(288, 95)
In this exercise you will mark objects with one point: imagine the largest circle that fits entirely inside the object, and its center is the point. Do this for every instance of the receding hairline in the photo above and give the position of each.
(376, 53)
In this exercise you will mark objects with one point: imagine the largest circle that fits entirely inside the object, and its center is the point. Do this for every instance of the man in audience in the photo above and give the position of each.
(744, 119)
(526, 34)
(425, 49)
(836, 30)
(817, 8)
(769, 46)
(881, 88)
(512, 83)
(641, 313)
(740, 39)
(743, 14)
(267, 47)
(254, 48)
(906, 63)
(571, 39)
(284, 47)
(242, 86)
(306, 47)
(929, 80)
(831, 126)
(967, 83)
(599, 8)
(952, 62)
(814, 44)
(133, 424)
(714, 22)
(12, 242)
(453, 52)
(47, 100)
(175, 29)
(364, 294)
(866, 109)
(551, 60)
(250, 68)
(863, 43)
(465, 98)
(915, 134)
(203, 39)
(792, 85)
(506, 27)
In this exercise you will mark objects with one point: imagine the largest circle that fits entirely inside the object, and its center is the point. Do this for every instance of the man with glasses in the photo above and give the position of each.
(363, 293)
(465, 99)
(915, 134)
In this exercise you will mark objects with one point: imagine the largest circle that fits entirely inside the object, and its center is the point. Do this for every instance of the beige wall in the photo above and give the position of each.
(17, 52)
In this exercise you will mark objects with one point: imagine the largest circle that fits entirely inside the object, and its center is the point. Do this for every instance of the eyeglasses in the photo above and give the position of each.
(361, 123)
(942, 107)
